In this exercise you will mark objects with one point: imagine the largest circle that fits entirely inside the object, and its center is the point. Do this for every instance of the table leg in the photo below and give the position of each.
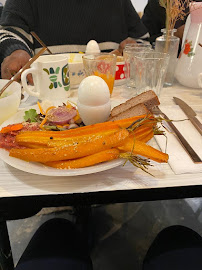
(6, 258)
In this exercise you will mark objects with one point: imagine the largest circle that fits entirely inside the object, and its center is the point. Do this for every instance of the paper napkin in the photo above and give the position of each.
(179, 160)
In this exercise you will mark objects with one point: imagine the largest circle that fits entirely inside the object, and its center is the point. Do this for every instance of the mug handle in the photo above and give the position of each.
(29, 88)
(200, 80)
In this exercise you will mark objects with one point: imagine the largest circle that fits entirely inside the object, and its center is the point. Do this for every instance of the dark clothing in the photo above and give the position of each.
(1, 8)
(71, 23)
(57, 244)
(176, 248)
(154, 18)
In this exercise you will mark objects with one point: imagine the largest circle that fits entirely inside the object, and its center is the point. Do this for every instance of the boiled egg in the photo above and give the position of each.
(93, 103)
(92, 47)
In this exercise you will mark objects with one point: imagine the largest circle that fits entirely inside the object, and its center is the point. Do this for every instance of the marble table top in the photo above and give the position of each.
(17, 183)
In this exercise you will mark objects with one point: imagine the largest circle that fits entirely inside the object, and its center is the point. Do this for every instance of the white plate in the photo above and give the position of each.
(40, 169)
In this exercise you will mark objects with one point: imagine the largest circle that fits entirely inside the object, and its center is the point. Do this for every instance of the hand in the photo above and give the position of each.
(123, 44)
(116, 52)
(13, 63)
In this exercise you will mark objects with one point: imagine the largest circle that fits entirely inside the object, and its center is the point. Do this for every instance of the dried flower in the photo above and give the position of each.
(175, 10)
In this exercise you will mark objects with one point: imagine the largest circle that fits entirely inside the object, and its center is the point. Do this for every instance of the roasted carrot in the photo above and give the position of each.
(27, 138)
(73, 151)
(10, 128)
(144, 137)
(92, 128)
(141, 148)
(87, 161)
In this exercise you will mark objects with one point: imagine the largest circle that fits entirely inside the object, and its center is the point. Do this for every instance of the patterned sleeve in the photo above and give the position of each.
(16, 22)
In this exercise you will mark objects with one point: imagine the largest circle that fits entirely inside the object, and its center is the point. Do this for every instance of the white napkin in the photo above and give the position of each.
(179, 160)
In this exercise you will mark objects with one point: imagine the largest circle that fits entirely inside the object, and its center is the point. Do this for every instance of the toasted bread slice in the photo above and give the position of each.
(139, 109)
(148, 98)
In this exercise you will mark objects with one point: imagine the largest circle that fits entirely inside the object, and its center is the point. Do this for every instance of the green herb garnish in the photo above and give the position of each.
(31, 116)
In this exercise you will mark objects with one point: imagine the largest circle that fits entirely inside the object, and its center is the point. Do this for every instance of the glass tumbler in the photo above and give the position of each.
(102, 65)
(150, 70)
(128, 53)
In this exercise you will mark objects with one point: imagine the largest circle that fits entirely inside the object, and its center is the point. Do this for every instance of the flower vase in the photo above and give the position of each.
(189, 66)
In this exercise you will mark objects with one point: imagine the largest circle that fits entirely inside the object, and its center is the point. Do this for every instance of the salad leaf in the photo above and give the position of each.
(31, 116)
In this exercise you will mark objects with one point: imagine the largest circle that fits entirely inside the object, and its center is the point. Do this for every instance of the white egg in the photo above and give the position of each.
(93, 103)
(94, 114)
(92, 47)
(93, 91)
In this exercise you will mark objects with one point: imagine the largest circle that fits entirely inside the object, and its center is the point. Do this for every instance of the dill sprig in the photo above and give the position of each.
(141, 163)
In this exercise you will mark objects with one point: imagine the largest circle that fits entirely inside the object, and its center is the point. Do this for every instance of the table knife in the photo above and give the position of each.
(190, 113)
(193, 155)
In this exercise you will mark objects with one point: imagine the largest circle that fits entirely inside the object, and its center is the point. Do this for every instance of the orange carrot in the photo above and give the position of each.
(72, 151)
(26, 138)
(87, 161)
(43, 122)
(144, 137)
(92, 128)
(141, 148)
(40, 108)
(10, 128)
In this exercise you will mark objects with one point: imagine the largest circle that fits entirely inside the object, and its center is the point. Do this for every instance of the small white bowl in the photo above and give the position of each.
(10, 100)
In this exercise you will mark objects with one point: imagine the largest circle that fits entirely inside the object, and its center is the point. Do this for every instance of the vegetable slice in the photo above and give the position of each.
(10, 128)
(87, 161)
(141, 148)
(78, 150)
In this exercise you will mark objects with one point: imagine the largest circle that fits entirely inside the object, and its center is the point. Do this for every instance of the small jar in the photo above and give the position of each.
(172, 49)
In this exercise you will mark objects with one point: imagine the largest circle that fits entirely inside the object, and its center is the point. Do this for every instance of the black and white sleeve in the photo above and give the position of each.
(15, 23)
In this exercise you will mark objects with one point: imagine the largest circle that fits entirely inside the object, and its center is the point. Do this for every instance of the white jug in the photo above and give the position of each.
(189, 67)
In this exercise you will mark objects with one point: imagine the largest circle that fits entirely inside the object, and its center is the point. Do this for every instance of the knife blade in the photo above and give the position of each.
(193, 155)
(190, 113)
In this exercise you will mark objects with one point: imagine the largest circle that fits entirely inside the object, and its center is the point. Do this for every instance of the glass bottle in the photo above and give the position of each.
(172, 49)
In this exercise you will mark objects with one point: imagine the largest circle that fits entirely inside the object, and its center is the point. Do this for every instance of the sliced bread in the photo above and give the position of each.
(148, 98)
(139, 109)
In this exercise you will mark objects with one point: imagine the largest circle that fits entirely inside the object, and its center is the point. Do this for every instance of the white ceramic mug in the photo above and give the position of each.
(50, 76)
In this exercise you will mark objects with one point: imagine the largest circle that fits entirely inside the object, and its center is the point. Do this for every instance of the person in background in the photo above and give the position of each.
(64, 26)
(154, 19)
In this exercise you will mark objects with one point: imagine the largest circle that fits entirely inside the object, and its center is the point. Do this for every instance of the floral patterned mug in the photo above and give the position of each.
(51, 78)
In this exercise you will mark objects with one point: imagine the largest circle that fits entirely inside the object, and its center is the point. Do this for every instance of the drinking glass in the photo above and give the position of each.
(137, 45)
(102, 65)
(128, 52)
(150, 70)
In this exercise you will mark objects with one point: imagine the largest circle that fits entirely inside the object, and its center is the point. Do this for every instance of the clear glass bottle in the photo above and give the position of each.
(172, 49)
